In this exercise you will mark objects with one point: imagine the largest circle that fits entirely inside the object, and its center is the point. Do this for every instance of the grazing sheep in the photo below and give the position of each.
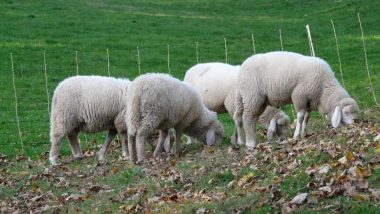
(279, 78)
(161, 102)
(216, 84)
(89, 104)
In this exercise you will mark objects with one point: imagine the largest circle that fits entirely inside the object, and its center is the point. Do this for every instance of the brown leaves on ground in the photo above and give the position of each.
(287, 176)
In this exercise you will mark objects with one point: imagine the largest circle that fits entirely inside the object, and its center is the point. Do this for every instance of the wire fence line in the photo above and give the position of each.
(45, 92)
(366, 61)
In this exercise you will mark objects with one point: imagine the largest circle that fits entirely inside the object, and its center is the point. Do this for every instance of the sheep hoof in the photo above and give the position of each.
(156, 154)
(251, 145)
(125, 154)
(142, 162)
(233, 141)
(240, 142)
(101, 159)
(303, 135)
(79, 157)
(53, 161)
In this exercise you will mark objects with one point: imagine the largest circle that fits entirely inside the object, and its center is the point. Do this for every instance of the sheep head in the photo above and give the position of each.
(345, 112)
(278, 125)
(215, 133)
(283, 123)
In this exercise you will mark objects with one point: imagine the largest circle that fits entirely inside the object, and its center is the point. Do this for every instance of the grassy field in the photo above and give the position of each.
(75, 36)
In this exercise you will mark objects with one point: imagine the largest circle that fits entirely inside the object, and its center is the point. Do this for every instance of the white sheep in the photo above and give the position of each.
(89, 104)
(161, 102)
(216, 84)
(279, 78)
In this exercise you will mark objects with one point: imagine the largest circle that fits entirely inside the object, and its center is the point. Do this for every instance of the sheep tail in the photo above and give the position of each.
(238, 107)
(133, 115)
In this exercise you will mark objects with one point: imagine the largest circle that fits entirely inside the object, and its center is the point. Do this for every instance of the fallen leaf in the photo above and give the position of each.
(377, 149)
(326, 189)
(324, 169)
(363, 172)
(276, 180)
(245, 179)
(36, 198)
(201, 211)
(359, 197)
(115, 170)
(95, 188)
(287, 208)
(299, 199)
(173, 162)
(349, 155)
(23, 173)
(231, 184)
(375, 194)
(343, 160)
(377, 138)
(153, 200)
(311, 170)
(75, 197)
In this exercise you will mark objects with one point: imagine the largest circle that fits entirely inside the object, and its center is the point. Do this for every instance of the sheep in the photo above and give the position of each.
(89, 104)
(278, 78)
(216, 84)
(161, 102)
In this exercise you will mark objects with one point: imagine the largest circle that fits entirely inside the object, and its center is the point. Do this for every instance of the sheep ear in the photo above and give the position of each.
(210, 138)
(271, 128)
(336, 118)
(167, 144)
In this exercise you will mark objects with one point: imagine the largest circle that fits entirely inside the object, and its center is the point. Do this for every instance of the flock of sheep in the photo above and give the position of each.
(250, 93)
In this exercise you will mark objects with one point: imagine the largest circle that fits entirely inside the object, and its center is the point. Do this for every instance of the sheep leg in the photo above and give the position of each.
(234, 136)
(132, 148)
(102, 152)
(56, 141)
(239, 127)
(141, 140)
(190, 140)
(160, 144)
(304, 124)
(168, 143)
(124, 145)
(239, 108)
(74, 142)
(249, 123)
(178, 141)
(300, 119)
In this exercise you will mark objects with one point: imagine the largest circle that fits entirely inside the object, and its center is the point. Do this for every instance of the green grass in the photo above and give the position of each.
(28, 29)
(61, 28)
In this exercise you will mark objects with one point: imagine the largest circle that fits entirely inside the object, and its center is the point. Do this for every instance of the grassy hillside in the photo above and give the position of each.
(78, 33)
(60, 28)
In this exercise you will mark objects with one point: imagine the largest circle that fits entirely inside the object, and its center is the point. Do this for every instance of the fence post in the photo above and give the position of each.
(196, 52)
(46, 85)
(337, 51)
(76, 60)
(138, 59)
(310, 41)
(108, 63)
(253, 44)
(366, 61)
(16, 105)
(225, 48)
(282, 47)
(169, 59)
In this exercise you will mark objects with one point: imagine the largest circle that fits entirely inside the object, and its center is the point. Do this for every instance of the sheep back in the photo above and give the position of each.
(275, 75)
(214, 82)
(161, 100)
(87, 103)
